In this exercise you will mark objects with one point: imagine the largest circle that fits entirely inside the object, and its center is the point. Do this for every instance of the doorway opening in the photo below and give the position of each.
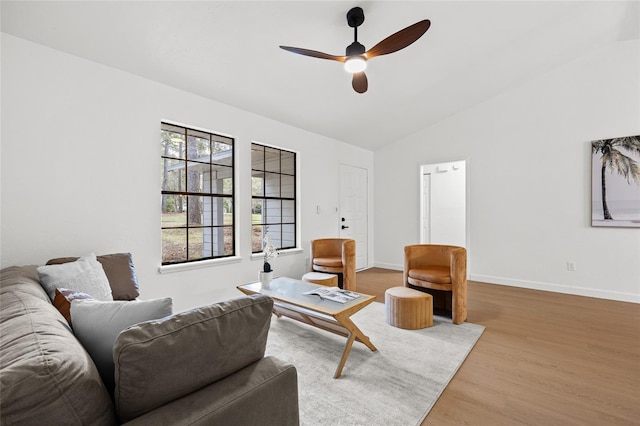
(443, 204)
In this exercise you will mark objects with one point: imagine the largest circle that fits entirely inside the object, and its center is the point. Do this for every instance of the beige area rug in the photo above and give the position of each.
(396, 385)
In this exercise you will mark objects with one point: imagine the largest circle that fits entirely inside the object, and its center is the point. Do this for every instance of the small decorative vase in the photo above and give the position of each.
(265, 278)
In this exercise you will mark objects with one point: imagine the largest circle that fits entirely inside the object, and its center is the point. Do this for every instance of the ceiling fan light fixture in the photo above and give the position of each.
(355, 64)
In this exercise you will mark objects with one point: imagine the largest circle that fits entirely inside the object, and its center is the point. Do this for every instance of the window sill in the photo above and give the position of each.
(260, 256)
(165, 269)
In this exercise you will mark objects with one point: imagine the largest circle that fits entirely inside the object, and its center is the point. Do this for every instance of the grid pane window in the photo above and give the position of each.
(273, 193)
(197, 195)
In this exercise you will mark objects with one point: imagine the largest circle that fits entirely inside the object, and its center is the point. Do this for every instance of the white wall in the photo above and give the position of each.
(528, 180)
(81, 170)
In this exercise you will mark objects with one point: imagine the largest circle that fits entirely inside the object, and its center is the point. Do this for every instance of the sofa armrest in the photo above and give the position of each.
(162, 360)
(263, 393)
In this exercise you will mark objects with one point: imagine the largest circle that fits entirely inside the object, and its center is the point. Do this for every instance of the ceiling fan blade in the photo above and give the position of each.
(314, 53)
(399, 40)
(359, 82)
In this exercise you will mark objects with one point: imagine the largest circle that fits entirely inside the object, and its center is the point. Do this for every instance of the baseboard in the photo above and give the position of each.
(558, 288)
(535, 285)
(391, 266)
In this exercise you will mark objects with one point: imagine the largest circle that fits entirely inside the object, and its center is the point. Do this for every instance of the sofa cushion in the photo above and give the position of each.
(263, 393)
(119, 270)
(45, 374)
(96, 324)
(85, 274)
(159, 361)
(64, 297)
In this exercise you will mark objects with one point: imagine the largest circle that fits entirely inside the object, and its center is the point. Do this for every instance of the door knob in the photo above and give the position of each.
(343, 219)
(344, 227)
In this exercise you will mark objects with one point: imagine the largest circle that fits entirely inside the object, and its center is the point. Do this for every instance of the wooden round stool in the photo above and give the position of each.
(321, 278)
(408, 308)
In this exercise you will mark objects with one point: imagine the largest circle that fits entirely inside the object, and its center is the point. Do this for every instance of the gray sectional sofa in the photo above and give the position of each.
(199, 367)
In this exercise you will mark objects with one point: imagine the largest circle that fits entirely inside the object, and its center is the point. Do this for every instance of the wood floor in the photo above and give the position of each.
(544, 358)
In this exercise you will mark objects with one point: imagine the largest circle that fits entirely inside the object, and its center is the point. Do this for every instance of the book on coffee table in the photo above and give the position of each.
(335, 294)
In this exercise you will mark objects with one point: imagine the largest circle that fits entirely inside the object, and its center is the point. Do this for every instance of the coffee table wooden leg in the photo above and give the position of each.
(345, 355)
(354, 332)
(353, 329)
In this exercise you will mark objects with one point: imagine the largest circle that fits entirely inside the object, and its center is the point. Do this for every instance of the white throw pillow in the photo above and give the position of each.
(85, 275)
(96, 324)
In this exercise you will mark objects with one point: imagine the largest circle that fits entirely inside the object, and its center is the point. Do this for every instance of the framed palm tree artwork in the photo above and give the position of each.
(615, 182)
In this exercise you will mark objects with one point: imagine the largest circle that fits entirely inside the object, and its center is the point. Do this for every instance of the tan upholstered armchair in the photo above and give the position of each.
(335, 256)
(438, 267)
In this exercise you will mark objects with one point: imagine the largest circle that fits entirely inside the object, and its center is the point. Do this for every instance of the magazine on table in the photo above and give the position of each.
(335, 294)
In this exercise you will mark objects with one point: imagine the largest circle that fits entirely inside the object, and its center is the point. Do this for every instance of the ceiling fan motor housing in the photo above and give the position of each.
(355, 49)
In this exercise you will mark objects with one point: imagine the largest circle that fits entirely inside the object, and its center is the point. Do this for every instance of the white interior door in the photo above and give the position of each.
(352, 220)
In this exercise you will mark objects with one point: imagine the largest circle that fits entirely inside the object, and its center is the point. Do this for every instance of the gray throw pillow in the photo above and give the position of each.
(85, 275)
(96, 324)
(119, 270)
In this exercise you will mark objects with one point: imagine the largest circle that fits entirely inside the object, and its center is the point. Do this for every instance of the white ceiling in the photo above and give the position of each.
(228, 51)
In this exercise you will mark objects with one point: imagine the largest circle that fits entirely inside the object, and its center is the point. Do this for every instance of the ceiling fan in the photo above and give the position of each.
(355, 59)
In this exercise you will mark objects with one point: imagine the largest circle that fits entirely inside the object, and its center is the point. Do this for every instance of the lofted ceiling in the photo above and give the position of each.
(228, 51)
